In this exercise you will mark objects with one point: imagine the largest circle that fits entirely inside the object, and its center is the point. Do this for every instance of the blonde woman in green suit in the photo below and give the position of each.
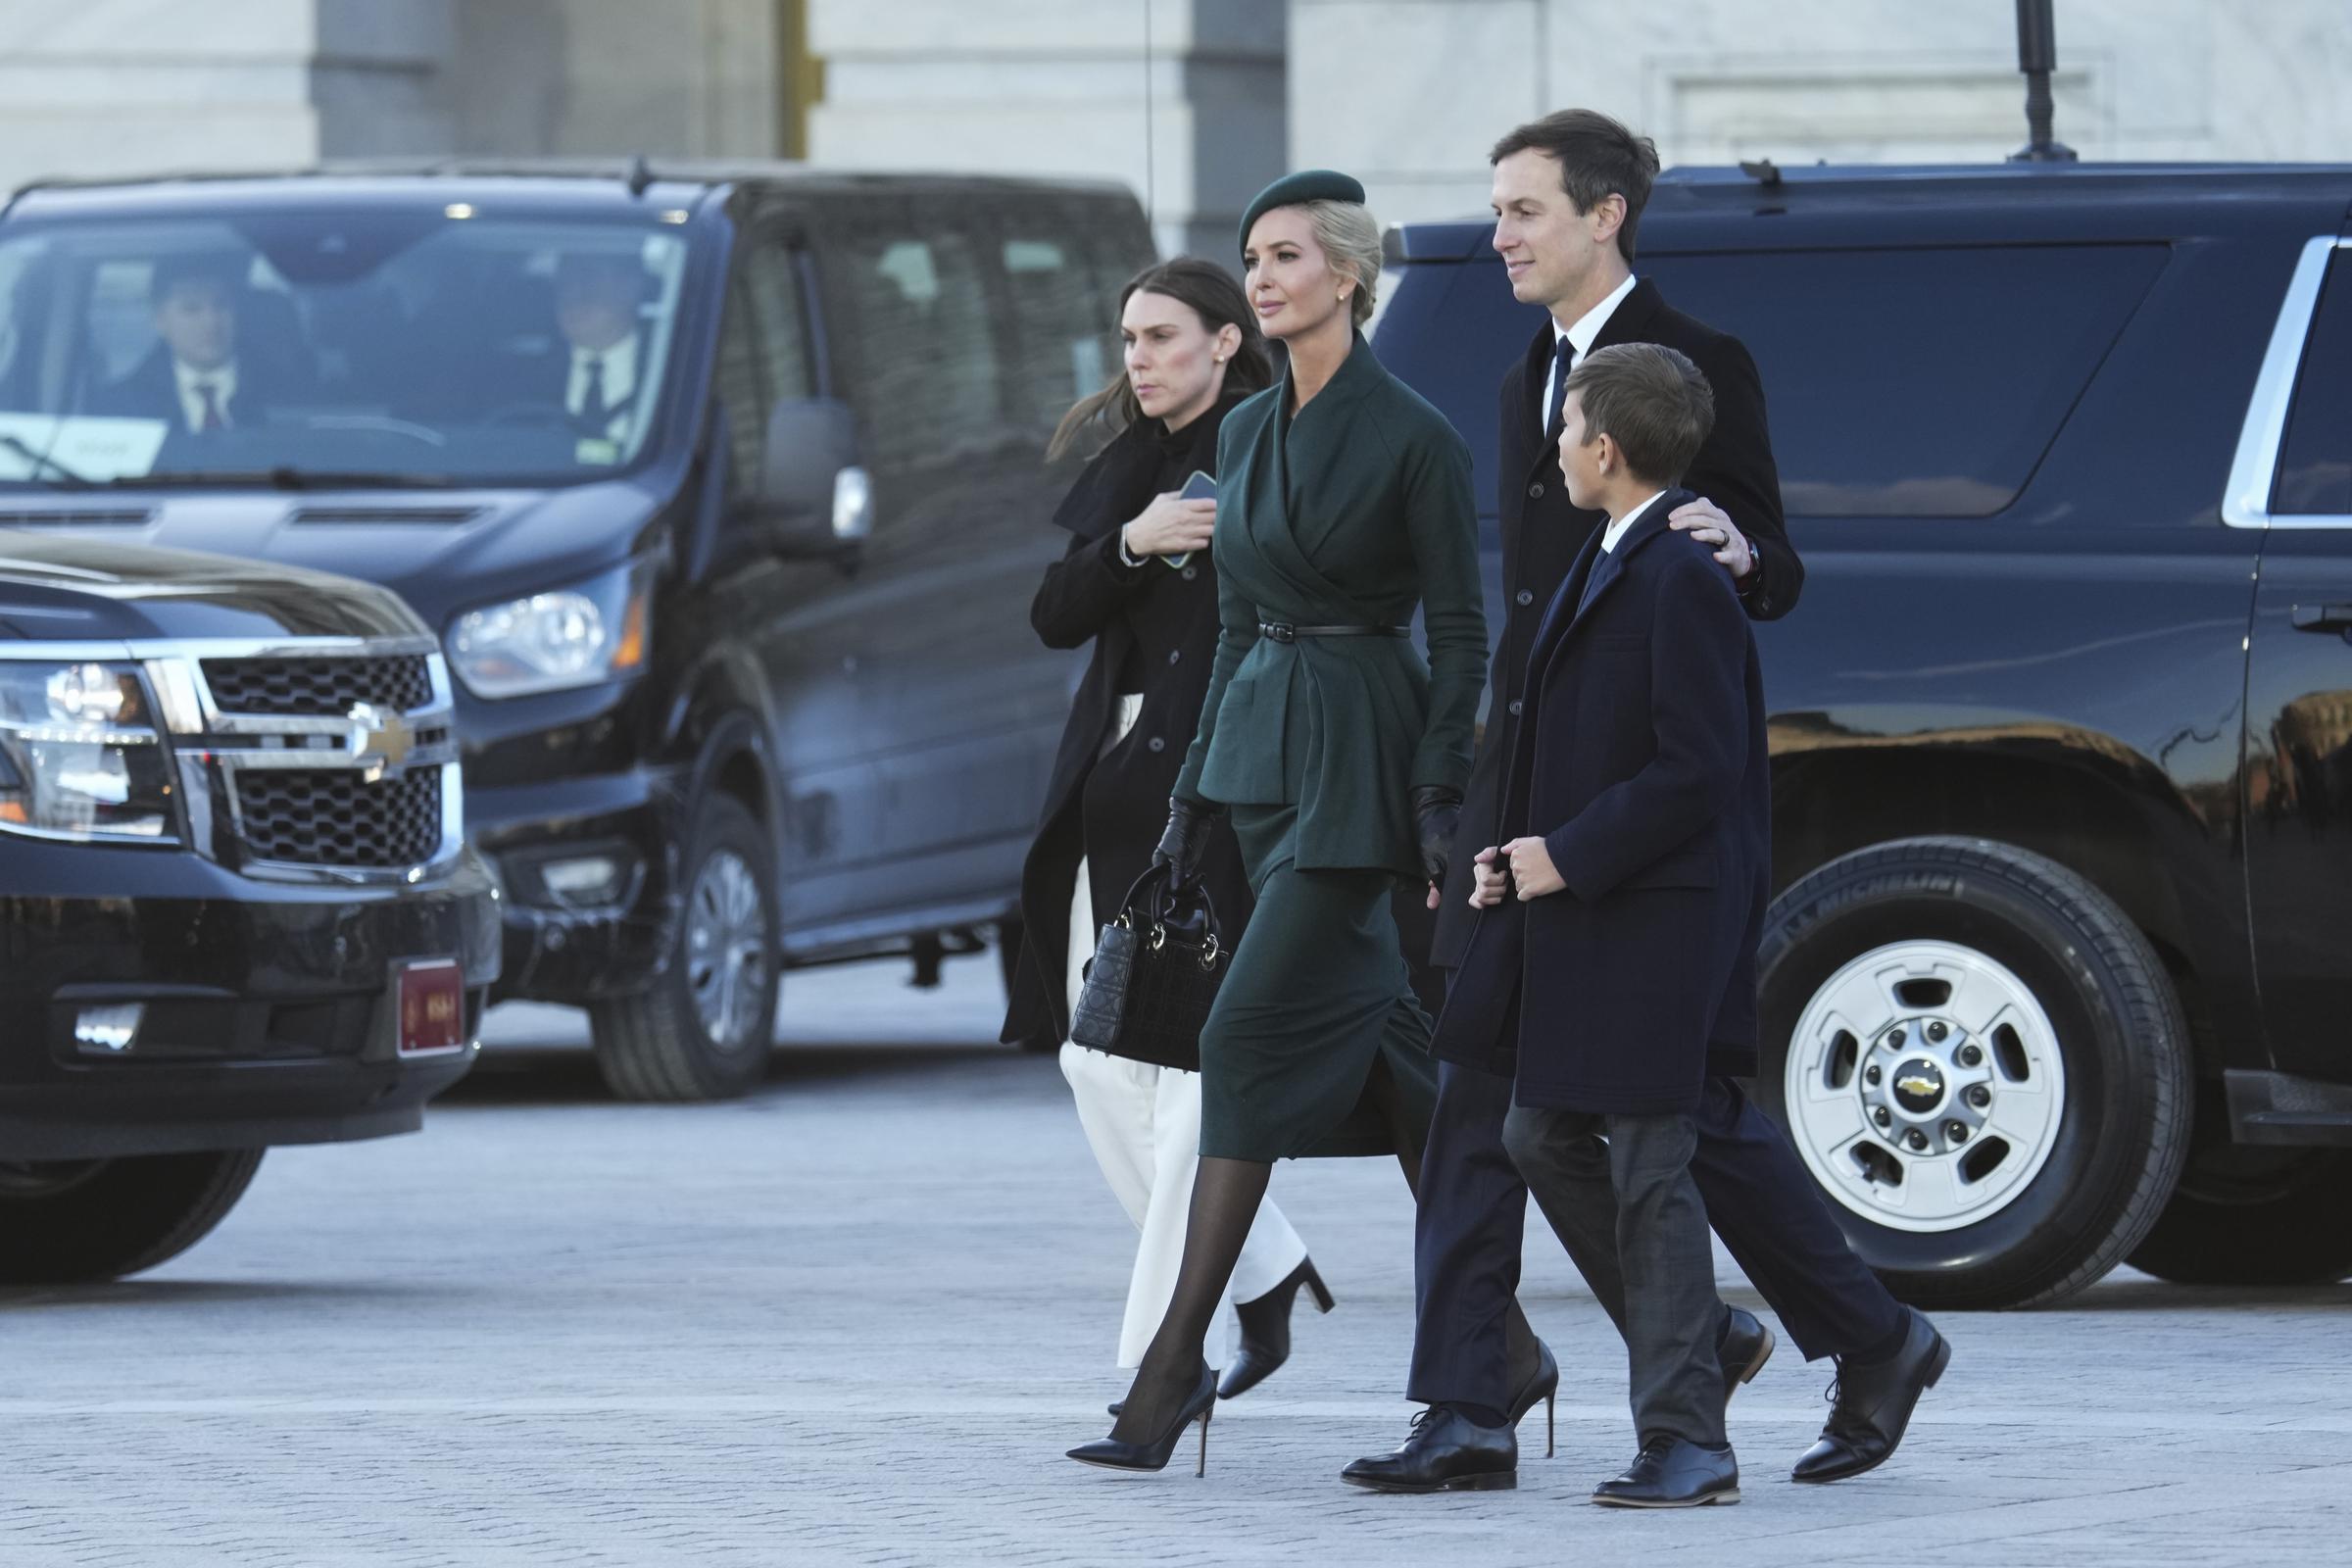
(1344, 502)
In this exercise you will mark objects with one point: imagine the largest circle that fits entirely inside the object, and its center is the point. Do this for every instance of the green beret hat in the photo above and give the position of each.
(1307, 185)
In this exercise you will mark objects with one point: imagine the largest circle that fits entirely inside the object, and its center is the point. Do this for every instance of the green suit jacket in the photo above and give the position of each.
(1349, 514)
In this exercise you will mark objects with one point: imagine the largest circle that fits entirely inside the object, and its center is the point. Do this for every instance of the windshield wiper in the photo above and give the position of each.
(281, 478)
(42, 459)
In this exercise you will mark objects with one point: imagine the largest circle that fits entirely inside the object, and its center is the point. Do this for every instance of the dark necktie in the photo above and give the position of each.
(1562, 356)
(595, 412)
(215, 416)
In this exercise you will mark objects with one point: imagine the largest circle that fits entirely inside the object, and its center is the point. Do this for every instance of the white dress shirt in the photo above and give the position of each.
(1581, 332)
(619, 362)
(1614, 534)
(192, 382)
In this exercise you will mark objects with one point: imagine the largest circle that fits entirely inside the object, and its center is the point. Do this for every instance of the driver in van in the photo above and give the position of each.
(597, 296)
(193, 378)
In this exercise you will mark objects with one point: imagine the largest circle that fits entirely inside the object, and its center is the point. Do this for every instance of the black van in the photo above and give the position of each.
(236, 905)
(2062, 731)
(724, 489)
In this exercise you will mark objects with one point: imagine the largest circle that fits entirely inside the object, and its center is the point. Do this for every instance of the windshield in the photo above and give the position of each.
(325, 346)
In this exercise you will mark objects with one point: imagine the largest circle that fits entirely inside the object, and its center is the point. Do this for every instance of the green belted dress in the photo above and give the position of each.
(1350, 513)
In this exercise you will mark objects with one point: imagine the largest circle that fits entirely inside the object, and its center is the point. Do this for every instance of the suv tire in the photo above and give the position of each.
(704, 1029)
(2250, 1215)
(71, 1222)
(2009, 1152)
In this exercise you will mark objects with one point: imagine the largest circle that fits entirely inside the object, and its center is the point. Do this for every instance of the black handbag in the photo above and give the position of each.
(1154, 975)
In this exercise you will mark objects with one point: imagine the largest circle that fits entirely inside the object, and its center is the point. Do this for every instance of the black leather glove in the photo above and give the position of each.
(1185, 841)
(1438, 811)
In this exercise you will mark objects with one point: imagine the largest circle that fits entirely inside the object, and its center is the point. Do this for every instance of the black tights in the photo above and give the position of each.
(1226, 1194)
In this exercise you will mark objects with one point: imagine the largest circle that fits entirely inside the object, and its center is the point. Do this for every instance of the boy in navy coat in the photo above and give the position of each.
(1618, 932)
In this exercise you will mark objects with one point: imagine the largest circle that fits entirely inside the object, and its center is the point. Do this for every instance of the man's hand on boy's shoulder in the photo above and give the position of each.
(1707, 522)
(1532, 875)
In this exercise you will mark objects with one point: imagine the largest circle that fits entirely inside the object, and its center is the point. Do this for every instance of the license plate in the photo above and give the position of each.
(432, 1008)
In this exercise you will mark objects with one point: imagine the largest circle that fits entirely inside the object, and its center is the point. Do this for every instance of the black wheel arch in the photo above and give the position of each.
(2076, 796)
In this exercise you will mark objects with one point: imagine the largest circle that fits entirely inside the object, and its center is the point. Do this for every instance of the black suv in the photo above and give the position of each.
(724, 488)
(2062, 731)
(236, 906)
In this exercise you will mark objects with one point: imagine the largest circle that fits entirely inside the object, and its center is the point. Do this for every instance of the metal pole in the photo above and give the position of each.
(2038, 57)
(1151, 192)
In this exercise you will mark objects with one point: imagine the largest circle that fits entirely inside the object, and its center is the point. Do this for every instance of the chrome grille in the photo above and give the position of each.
(333, 817)
(319, 687)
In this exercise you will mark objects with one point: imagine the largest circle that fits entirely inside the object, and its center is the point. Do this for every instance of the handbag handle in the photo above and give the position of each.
(1155, 901)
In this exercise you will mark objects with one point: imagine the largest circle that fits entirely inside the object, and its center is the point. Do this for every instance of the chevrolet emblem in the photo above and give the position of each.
(1923, 1088)
(379, 740)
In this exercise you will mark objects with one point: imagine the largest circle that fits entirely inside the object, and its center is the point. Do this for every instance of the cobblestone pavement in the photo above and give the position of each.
(857, 1317)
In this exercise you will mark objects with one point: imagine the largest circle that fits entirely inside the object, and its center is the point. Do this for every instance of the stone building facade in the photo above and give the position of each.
(1192, 103)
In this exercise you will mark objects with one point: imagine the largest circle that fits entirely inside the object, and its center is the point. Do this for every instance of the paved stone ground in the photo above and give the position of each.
(856, 1318)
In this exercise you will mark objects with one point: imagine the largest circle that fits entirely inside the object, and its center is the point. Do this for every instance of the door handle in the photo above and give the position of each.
(2322, 617)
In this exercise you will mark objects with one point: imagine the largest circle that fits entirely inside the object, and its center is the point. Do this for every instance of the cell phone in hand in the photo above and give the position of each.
(1200, 487)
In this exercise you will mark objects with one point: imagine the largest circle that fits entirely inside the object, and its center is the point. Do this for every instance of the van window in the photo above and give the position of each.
(420, 343)
(763, 353)
(1062, 349)
(2315, 456)
(1921, 383)
(925, 341)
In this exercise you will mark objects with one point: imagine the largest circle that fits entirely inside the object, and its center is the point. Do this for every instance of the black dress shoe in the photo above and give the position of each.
(1266, 1330)
(1674, 1473)
(1542, 1384)
(1447, 1451)
(1746, 1345)
(1871, 1405)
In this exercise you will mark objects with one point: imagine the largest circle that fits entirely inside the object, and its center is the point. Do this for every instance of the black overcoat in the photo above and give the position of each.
(1641, 761)
(1161, 623)
(1543, 535)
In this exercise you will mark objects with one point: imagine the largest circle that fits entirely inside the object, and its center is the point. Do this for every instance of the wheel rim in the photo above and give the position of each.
(1925, 1086)
(726, 951)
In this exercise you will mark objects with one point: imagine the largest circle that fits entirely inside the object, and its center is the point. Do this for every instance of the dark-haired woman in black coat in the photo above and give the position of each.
(1137, 584)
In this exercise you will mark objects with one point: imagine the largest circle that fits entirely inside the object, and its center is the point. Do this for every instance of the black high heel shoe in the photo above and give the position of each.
(1542, 1383)
(1153, 1453)
(1266, 1330)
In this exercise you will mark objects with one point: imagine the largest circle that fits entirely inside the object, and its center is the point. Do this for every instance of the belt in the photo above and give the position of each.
(1284, 632)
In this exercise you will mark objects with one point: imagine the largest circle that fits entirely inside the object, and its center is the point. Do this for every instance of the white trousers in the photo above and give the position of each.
(1144, 1125)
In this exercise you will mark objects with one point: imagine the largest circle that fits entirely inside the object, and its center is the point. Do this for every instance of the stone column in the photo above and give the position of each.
(103, 88)
(1181, 100)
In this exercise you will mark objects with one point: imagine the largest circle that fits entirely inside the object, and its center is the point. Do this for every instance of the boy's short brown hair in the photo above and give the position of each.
(1653, 400)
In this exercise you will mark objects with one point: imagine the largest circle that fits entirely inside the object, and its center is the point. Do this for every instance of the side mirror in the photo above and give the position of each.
(812, 496)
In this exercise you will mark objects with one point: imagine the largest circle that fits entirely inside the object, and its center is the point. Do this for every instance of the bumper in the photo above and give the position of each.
(268, 1011)
(569, 938)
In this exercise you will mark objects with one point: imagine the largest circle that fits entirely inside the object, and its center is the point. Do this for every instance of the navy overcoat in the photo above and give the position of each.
(1641, 761)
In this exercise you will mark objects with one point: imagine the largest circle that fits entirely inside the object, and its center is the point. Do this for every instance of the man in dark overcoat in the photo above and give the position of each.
(1569, 191)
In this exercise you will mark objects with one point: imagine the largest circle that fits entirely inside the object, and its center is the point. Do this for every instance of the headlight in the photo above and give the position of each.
(594, 631)
(79, 756)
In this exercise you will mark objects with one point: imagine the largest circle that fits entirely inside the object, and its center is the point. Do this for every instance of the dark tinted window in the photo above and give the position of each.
(922, 337)
(2314, 458)
(763, 352)
(1063, 345)
(1915, 382)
